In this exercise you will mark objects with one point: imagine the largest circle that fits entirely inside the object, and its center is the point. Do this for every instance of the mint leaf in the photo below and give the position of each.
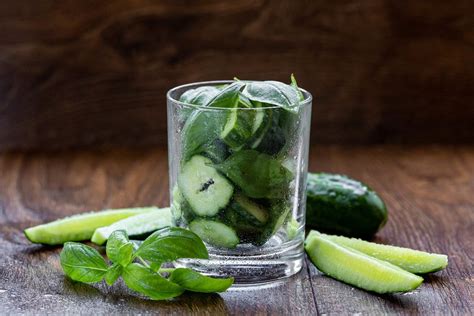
(119, 248)
(258, 175)
(113, 273)
(274, 93)
(82, 263)
(171, 243)
(143, 280)
(196, 282)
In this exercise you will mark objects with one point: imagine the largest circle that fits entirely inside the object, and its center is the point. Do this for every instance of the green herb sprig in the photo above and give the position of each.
(141, 268)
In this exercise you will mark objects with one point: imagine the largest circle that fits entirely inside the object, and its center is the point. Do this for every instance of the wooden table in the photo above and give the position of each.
(429, 192)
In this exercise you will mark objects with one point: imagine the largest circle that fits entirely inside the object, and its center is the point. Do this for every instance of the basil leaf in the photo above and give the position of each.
(119, 248)
(204, 126)
(294, 84)
(171, 243)
(200, 130)
(273, 92)
(199, 96)
(82, 263)
(143, 280)
(196, 282)
(228, 97)
(258, 175)
(113, 273)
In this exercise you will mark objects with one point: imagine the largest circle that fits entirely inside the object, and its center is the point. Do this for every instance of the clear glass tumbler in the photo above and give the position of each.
(247, 202)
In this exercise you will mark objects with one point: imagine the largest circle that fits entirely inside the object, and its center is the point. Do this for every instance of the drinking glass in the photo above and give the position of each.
(247, 202)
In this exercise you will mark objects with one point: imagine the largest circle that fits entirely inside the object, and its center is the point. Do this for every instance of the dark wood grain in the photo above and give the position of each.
(75, 73)
(428, 191)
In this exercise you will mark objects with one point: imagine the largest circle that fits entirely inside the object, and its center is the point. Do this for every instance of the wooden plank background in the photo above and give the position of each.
(78, 73)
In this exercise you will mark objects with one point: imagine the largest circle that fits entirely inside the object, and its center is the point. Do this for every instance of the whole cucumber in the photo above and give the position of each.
(337, 204)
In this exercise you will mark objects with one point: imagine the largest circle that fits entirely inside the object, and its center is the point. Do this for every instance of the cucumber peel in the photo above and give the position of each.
(136, 225)
(411, 260)
(358, 269)
(78, 227)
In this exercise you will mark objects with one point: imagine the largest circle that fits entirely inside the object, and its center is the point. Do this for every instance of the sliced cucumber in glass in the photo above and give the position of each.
(203, 187)
(215, 233)
(358, 269)
(238, 128)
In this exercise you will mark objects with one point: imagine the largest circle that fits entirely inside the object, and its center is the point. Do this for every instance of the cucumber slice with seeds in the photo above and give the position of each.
(411, 260)
(78, 227)
(358, 269)
(215, 233)
(203, 187)
(136, 226)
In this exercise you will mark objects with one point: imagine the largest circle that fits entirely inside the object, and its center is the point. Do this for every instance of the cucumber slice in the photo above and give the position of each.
(358, 269)
(238, 128)
(138, 225)
(411, 260)
(249, 210)
(203, 187)
(78, 227)
(215, 233)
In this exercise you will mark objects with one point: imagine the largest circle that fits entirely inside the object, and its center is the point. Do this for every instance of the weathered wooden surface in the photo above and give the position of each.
(428, 191)
(86, 72)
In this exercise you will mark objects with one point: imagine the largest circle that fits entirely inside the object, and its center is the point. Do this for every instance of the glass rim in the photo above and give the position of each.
(308, 97)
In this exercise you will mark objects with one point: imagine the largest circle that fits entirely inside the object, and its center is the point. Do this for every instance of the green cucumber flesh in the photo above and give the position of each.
(250, 210)
(411, 260)
(138, 225)
(215, 233)
(78, 227)
(203, 187)
(358, 269)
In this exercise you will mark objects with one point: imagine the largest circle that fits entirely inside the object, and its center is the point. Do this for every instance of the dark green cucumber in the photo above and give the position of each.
(203, 187)
(215, 233)
(138, 226)
(337, 204)
(79, 227)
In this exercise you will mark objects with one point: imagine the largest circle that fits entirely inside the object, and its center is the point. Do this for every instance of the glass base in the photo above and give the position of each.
(250, 265)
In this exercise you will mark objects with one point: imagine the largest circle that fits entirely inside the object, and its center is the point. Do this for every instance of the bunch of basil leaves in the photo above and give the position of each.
(141, 267)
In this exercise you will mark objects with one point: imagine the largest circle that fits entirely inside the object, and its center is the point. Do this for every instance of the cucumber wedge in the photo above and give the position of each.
(78, 227)
(215, 233)
(358, 269)
(203, 187)
(411, 260)
(138, 225)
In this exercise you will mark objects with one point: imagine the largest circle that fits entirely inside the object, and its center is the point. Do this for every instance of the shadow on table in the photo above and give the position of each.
(119, 297)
